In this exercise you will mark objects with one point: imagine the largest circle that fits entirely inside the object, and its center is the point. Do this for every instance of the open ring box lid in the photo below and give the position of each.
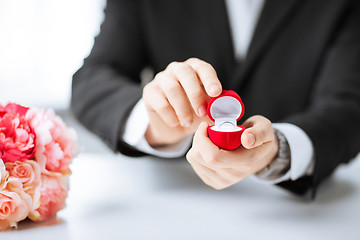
(225, 110)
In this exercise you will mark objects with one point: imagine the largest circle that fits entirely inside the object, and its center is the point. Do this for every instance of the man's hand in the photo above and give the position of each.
(220, 168)
(176, 100)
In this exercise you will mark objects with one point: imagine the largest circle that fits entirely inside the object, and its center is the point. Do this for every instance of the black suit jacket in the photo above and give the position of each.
(303, 67)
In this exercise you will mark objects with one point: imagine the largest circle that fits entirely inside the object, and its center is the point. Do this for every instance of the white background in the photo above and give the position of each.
(42, 43)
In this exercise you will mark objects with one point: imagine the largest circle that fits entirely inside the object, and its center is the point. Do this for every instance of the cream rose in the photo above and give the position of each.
(14, 204)
(3, 175)
(29, 173)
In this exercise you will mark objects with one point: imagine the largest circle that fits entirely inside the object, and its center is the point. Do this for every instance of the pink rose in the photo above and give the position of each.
(53, 194)
(56, 142)
(17, 138)
(29, 174)
(14, 204)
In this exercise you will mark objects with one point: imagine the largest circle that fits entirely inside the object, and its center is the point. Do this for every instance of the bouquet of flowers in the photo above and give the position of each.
(36, 149)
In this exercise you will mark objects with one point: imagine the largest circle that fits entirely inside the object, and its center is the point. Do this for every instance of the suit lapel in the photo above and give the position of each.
(274, 16)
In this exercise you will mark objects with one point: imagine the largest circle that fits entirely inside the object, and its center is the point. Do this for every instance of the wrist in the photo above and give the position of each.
(280, 163)
(273, 152)
(162, 138)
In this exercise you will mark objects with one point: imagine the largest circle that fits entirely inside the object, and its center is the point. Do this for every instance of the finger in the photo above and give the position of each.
(207, 76)
(210, 151)
(192, 86)
(258, 131)
(156, 101)
(193, 157)
(207, 175)
(242, 159)
(228, 174)
(177, 98)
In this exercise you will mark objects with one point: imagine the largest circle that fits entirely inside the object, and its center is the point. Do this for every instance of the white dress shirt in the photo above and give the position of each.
(243, 16)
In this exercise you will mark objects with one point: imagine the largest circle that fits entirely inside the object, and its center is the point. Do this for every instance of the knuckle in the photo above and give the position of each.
(172, 65)
(193, 60)
(267, 123)
(158, 77)
(195, 63)
(172, 88)
(213, 158)
(256, 119)
(206, 65)
(206, 68)
(163, 108)
(181, 67)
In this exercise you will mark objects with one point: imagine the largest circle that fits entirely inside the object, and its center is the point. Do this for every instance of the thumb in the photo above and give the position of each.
(202, 130)
(260, 131)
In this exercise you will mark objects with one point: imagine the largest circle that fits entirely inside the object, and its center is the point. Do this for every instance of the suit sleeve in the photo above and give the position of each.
(332, 120)
(108, 85)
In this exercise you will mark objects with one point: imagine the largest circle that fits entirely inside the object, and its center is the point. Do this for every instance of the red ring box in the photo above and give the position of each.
(225, 110)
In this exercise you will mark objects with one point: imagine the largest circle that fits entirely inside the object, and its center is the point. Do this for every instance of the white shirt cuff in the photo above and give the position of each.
(301, 152)
(134, 135)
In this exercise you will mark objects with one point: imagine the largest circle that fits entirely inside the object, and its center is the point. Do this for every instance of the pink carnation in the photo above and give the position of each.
(56, 142)
(29, 174)
(14, 204)
(53, 194)
(17, 138)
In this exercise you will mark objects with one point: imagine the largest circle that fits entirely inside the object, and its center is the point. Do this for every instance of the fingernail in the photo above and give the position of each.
(202, 111)
(214, 89)
(251, 138)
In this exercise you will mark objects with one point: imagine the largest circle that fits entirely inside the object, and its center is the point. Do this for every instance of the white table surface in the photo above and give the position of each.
(118, 197)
